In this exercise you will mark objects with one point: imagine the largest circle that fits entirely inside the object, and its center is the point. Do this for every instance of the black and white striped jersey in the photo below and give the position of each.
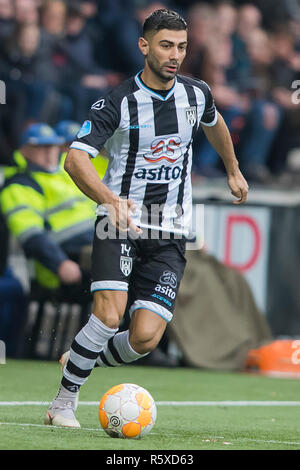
(148, 137)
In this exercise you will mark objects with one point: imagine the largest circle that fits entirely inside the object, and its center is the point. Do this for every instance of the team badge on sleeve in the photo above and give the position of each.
(85, 129)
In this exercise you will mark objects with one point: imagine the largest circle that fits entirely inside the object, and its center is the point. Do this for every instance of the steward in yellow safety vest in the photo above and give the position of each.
(45, 210)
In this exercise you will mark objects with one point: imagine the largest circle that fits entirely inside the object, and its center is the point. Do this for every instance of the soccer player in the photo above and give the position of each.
(147, 125)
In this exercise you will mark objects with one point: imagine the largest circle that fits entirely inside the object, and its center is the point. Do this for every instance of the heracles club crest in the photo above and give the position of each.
(191, 115)
(126, 265)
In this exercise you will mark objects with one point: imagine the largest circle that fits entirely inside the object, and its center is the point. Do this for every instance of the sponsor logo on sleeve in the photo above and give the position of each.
(98, 105)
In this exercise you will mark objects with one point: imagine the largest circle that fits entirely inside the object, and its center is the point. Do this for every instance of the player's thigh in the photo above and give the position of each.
(112, 263)
(156, 281)
(109, 306)
(146, 328)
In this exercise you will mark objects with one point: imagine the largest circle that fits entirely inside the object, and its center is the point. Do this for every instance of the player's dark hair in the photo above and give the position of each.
(163, 19)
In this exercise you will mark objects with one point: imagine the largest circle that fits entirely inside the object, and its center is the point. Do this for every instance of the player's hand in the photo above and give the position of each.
(239, 187)
(120, 215)
(69, 272)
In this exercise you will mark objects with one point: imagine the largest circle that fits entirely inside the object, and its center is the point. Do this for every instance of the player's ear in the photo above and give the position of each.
(143, 46)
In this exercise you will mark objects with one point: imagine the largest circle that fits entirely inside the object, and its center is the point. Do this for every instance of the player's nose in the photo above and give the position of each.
(174, 55)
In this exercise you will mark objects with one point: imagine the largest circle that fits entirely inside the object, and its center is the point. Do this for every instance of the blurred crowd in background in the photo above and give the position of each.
(57, 57)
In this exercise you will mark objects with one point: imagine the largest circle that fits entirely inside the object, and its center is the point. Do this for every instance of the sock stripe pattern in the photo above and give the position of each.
(111, 356)
(70, 386)
(73, 369)
(114, 352)
(84, 350)
(103, 359)
(118, 351)
(81, 351)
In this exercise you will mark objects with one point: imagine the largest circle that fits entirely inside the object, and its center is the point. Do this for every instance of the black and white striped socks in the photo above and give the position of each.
(95, 345)
(118, 351)
(84, 351)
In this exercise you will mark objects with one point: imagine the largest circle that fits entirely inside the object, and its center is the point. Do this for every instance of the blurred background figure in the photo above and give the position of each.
(26, 12)
(6, 18)
(53, 17)
(285, 72)
(81, 78)
(68, 131)
(236, 62)
(58, 57)
(123, 34)
(45, 211)
(29, 75)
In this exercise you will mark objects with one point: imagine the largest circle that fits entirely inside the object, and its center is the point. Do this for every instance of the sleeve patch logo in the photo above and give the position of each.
(98, 105)
(85, 129)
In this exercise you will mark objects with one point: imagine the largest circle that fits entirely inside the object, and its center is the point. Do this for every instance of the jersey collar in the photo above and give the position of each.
(151, 92)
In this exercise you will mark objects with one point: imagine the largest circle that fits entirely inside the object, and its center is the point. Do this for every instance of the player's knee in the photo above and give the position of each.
(108, 310)
(110, 316)
(110, 319)
(145, 343)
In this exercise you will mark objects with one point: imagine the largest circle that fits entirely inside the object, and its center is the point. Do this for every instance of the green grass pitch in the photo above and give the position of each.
(218, 426)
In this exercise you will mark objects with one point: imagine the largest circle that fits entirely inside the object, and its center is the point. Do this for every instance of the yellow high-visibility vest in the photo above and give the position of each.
(35, 201)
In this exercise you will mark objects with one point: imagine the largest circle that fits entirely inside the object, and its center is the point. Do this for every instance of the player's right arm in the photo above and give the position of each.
(80, 168)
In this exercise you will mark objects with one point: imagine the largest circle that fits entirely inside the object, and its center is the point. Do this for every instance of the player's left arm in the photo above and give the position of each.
(219, 137)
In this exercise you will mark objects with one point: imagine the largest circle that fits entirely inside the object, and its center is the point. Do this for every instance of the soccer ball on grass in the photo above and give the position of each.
(127, 411)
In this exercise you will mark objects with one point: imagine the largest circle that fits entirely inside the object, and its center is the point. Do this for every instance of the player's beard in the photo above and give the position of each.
(158, 69)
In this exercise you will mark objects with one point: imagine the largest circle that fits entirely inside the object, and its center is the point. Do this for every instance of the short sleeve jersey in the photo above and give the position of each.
(148, 139)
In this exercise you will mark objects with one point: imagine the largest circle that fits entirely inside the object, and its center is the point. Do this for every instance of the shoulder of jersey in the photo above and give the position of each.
(192, 81)
(116, 95)
(127, 87)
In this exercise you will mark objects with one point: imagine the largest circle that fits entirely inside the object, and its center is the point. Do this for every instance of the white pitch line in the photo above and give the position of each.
(229, 403)
(169, 403)
(34, 425)
(204, 438)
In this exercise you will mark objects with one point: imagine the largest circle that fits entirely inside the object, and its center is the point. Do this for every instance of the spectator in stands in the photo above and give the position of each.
(249, 19)
(89, 8)
(26, 68)
(53, 17)
(89, 11)
(285, 71)
(68, 131)
(201, 21)
(6, 18)
(250, 71)
(239, 69)
(26, 12)
(285, 67)
(81, 78)
(217, 56)
(264, 116)
(123, 34)
(250, 114)
(26, 56)
(49, 216)
(110, 10)
(211, 56)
